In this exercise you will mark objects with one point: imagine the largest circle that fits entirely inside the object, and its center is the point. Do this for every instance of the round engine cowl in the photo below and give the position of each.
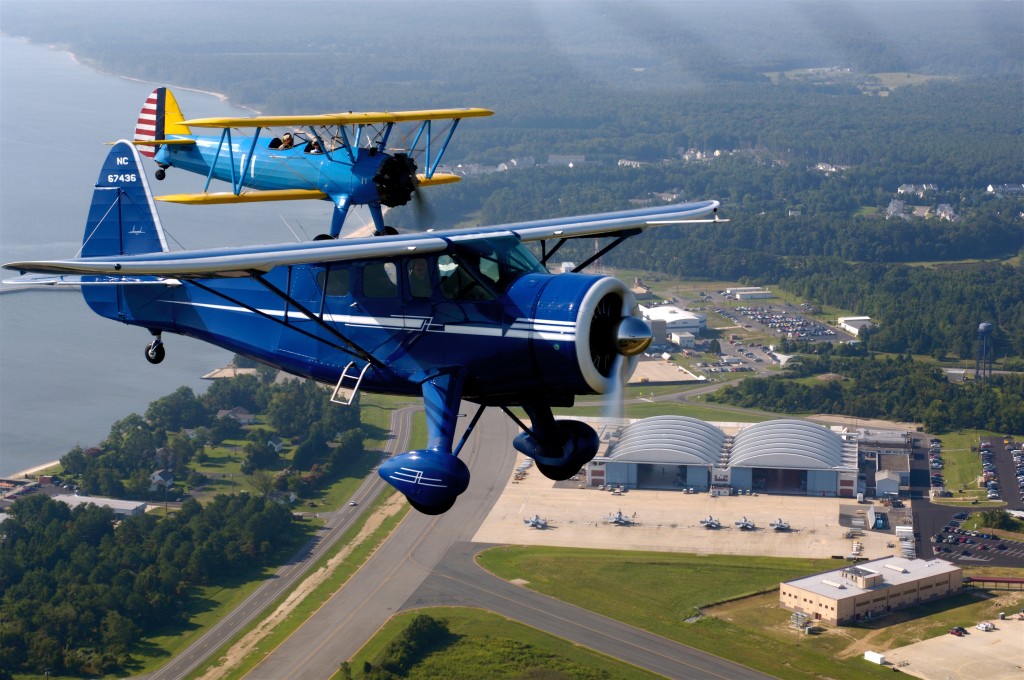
(601, 362)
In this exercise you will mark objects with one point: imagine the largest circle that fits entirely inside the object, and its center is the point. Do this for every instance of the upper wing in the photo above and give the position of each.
(235, 262)
(349, 118)
(611, 222)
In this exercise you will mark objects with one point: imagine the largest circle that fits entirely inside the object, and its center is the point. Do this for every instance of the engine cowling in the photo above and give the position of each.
(609, 334)
(396, 180)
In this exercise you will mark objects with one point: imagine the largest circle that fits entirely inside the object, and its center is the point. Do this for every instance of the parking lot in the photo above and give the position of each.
(993, 655)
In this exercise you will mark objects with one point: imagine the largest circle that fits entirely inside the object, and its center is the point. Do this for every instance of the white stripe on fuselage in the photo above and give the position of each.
(521, 328)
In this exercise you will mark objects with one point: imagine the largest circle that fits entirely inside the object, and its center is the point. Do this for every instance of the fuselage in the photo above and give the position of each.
(514, 329)
(264, 168)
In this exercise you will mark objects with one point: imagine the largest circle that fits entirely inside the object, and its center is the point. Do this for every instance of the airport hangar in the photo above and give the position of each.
(784, 456)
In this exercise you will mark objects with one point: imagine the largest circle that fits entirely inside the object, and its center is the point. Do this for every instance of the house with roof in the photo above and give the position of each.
(239, 413)
(161, 478)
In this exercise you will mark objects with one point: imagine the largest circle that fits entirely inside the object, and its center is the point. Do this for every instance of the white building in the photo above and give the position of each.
(682, 339)
(853, 324)
(120, 507)
(758, 294)
(676, 319)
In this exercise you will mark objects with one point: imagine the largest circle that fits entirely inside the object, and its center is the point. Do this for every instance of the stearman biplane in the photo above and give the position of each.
(347, 158)
(467, 314)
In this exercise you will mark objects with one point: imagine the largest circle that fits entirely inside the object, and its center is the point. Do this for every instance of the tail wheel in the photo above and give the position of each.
(155, 352)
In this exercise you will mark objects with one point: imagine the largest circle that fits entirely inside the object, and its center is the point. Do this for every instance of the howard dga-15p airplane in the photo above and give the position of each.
(347, 158)
(465, 314)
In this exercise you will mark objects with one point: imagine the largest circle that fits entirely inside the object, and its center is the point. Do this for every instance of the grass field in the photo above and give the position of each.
(660, 591)
(485, 645)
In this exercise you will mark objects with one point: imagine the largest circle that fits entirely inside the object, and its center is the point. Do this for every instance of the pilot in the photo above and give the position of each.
(286, 141)
(460, 284)
(419, 277)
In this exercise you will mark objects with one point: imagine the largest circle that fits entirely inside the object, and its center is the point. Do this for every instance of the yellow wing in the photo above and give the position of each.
(349, 118)
(220, 197)
(160, 142)
(249, 197)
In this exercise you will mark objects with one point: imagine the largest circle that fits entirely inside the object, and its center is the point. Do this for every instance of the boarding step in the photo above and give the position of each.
(348, 384)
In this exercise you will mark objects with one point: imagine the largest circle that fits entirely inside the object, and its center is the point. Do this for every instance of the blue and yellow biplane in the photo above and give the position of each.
(347, 158)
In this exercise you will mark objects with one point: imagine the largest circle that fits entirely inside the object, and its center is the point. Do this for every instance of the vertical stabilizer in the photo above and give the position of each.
(122, 218)
(160, 116)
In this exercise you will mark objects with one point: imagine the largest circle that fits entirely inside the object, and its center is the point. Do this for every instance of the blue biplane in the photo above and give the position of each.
(346, 158)
(467, 314)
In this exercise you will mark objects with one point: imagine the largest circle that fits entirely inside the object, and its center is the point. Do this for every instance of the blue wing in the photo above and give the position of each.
(245, 261)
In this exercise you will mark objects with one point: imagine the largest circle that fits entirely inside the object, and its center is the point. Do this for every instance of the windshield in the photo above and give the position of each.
(494, 262)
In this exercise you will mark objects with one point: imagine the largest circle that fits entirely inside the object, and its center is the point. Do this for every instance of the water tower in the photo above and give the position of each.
(983, 363)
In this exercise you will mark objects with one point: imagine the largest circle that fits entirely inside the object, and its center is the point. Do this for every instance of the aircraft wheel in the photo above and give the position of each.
(438, 509)
(155, 352)
(584, 448)
(160, 174)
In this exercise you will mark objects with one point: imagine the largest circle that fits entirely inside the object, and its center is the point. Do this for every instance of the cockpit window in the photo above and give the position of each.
(335, 281)
(380, 280)
(479, 269)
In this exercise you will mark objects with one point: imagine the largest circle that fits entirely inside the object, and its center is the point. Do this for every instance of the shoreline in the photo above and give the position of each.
(23, 474)
(74, 57)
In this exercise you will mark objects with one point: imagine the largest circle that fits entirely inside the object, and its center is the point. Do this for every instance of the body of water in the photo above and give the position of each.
(66, 374)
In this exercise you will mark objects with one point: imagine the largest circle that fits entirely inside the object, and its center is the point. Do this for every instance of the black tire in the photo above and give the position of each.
(160, 174)
(155, 353)
(432, 509)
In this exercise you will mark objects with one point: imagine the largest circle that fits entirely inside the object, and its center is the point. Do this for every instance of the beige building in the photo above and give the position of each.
(870, 589)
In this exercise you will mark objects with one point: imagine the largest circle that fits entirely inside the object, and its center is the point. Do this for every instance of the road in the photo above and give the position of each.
(429, 561)
(336, 524)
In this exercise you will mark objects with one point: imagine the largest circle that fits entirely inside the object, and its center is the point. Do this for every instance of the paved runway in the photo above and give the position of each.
(428, 561)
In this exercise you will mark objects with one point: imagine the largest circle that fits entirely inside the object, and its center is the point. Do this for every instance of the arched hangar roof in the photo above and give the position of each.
(787, 443)
(674, 440)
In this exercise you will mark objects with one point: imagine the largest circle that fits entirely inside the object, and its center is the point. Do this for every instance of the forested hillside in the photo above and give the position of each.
(807, 118)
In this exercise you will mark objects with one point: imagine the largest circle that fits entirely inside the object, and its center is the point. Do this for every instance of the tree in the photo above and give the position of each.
(259, 454)
(262, 482)
(179, 410)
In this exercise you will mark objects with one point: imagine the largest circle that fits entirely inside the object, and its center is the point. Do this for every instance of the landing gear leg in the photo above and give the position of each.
(155, 351)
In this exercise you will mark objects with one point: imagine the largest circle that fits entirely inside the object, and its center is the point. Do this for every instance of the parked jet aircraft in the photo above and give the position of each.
(469, 314)
(711, 523)
(536, 522)
(621, 520)
(779, 525)
(347, 158)
(746, 525)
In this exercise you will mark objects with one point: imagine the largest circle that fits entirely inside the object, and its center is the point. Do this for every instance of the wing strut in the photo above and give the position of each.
(353, 348)
(347, 345)
(622, 236)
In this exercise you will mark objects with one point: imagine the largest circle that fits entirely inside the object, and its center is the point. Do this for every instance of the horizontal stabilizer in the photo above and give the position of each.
(76, 281)
(161, 142)
(218, 198)
(349, 118)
